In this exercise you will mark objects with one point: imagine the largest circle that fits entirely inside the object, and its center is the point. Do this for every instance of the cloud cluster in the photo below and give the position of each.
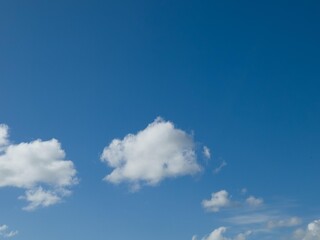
(221, 199)
(6, 232)
(311, 233)
(158, 152)
(35, 166)
(251, 216)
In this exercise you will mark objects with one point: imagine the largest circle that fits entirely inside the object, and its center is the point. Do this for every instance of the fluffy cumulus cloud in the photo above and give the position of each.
(39, 167)
(6, 232)
(217, 201)
(158, 152)
(311, 233)
(219, 234)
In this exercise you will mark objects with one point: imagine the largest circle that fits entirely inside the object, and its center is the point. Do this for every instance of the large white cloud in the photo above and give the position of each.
(35, 166)
(6, 232)
(159, 151)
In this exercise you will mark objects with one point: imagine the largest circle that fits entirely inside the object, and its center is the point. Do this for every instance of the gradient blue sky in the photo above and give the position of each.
(242, 77)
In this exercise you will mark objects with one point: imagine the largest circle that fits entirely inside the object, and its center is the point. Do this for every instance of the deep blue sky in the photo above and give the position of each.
(242, 76)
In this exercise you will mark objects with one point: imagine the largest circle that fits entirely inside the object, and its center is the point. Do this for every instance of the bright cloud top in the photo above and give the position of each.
(6, 232)
(34, 166)
(159, 151)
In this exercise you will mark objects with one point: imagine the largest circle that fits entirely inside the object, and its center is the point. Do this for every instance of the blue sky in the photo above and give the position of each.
(238, 77)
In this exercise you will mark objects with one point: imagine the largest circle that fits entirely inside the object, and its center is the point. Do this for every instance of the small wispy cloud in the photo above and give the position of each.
(251, 218)
(254, 201)
(206, 152)
(244, 191)
(220, 167)
(4, 129)
(288, 222)
(6, 232)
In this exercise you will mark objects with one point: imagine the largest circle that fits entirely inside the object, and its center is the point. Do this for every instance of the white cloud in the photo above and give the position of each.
(311, 233)
(5, 232)
(35, 164)
(252, 218)
(219, 234)
(218, 169)
(159, 151)
(3, 135)
(299, 234)
(42, 198)
(290, 222)
(26, 164)
(243, 236)
(206, 152)
(218, 200)
(254, 202)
